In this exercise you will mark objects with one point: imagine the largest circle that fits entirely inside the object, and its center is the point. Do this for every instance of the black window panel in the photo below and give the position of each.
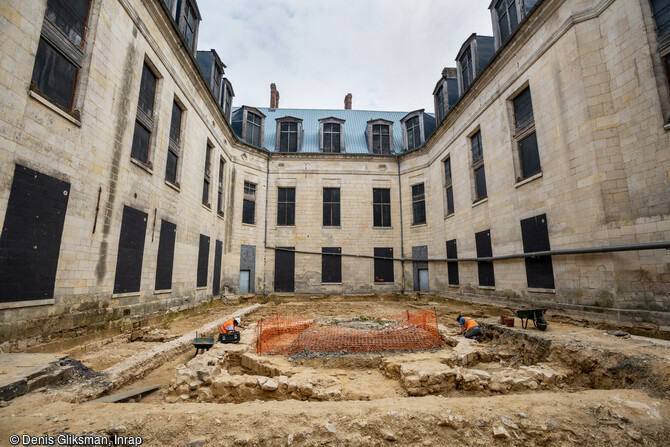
(284, 269)
(439, 99)
(539, 271)
(175, 123)
(418, 204)
(203, 261)
(485, 268)
(286, 206)
(381, 141)
(288, 140)
(523, 108)
(165, 261)
(413, 132)
(70, 17)
(450, 200)
(248, 211)
(331, 137)
(31, 236)
(54, 75)
(480, 183)
(381, 207)
(171, 168)
(216, 277)
(384, 267)
(661, 15)
(530, 158)
(141, 140)
(128, 275)
(466, 69)
(476, 143)
(147, 90)
(219, 206)
(205, 192)
(331, 207)
(452, 267)
(331, 264)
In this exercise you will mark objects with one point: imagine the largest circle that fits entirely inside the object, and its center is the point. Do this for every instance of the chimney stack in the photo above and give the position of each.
(347, 101)
(274, 96)
(449, 72)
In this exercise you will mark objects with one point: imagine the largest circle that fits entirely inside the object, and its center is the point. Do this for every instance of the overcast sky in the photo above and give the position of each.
(388, 53)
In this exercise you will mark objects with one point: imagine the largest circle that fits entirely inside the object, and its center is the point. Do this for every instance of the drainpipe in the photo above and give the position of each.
(402, 240)
(265, 238)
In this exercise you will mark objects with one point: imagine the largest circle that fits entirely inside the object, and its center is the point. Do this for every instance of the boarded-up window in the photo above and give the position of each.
(452, 267)
(216, 277)
(286, 206)
(485, 268)
(249, 203)
(383, 267)
(284, 269)
(31, 236)
(128, 275)
(331, 207)
(203, 261)
(381, 207)
(418, 204)
(331, 264)
(539, 270)
(165, 260)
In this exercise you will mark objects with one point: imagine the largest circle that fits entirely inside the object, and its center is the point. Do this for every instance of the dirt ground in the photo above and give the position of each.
(570, 385)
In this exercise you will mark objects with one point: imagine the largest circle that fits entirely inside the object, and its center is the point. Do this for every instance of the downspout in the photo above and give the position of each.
(402, 240)
(265, 238)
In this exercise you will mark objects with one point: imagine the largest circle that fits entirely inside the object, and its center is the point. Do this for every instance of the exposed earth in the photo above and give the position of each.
(568, 385)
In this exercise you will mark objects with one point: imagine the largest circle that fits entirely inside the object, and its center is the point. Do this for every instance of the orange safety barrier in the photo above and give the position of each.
(282, 334)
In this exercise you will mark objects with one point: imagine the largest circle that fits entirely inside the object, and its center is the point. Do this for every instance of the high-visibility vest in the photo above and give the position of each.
(470, 323)
(227, 326)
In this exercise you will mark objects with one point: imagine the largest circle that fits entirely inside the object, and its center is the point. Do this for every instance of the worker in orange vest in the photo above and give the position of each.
(229, 326)
(469, 328)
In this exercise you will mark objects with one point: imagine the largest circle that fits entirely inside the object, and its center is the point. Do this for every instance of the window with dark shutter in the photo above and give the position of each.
(286, 206)
(448, 188)
(418, 204)
(331, 264)
(539, 270)
(525, 135)
(381, 207)
(484, 250)
(249, 203)
(331, 207)
(203, 261)
(452, 266)
(383, 267)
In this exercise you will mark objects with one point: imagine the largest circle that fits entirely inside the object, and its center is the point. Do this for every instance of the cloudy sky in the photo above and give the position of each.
(388, 53)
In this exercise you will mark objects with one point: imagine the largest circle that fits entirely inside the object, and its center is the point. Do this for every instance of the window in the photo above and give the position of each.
(206, 178)
(381, 139)
(331, 264)
(478, 165)
(227, 101)
(381, 207)
(128, 276)
(439, 104)
(144, 119)
(525, 134)
(418, 204)
(485, 268)
(383, 267)
(203, 261)
(174, 144)
(448, 189)
(507, 18)
(219, 201)
(188, 25)
(58, 59)
(249, 203)
(413, 128)
(452, 266)
(661, 16)
(466, 69)
(288, 137)
(286, 206)
(331, 137)
(165, 259)
(539, 269)
(253, 129)
(331, 207)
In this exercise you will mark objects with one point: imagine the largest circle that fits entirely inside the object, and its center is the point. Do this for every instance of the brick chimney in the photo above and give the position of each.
(449, 72)
(274, 96)
(347, 101)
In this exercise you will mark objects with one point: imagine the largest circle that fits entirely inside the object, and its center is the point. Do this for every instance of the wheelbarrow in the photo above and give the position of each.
(537, 315)
(202, 344)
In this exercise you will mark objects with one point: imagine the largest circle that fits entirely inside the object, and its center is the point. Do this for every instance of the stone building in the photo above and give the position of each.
(130, 184)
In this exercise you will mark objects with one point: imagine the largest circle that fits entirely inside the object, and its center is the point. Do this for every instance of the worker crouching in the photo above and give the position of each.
(227, 332)
(470, 328)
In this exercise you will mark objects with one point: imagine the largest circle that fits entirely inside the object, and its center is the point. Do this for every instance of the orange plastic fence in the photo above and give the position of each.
(282, 334)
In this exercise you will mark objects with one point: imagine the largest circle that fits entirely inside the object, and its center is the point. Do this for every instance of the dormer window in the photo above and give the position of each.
(289, 134)
(227, 98)
(188, 19)
(473, 56)
(332, 135)
(439, 104)
(467, 74)
(413, 130)
(380, 136)
(507, 18)
(253, 129)
(249, 123)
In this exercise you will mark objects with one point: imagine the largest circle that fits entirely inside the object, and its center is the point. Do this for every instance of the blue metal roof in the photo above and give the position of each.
(355, 127)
